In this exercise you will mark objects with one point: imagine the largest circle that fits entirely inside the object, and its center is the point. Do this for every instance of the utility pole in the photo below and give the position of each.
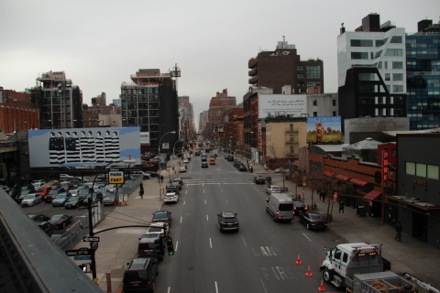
(92, 244)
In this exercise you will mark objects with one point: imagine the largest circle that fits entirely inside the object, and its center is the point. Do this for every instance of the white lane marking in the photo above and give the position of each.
(210, 242)
(262, 284)
(181, 219)
(177, 245)
(207, 218)
(245, 244)
(205, 201)
(203, 191)
(184, 202)
(169, 289)
(216, 287)
(307, 237)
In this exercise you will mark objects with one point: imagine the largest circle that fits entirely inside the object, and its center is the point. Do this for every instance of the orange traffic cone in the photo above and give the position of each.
(298, 260)
(309, 272)
(321, 287)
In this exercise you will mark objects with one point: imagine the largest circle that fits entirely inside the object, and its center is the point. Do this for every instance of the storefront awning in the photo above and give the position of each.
(372, 195)
(342, 177)
(328, 173)
(358, 182)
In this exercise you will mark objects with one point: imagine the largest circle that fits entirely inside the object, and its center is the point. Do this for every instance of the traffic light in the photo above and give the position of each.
(170, 246)
(341, 207)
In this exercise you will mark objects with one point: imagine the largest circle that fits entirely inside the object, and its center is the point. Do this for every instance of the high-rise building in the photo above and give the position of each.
(372, 70)
(423, 76)
(59, 101)
(150, 102)
(283, 66)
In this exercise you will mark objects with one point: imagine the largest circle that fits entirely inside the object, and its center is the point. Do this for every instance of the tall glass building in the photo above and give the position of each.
(423, 76)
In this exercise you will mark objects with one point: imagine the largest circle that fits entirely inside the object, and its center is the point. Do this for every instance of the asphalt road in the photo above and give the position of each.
(261, 257)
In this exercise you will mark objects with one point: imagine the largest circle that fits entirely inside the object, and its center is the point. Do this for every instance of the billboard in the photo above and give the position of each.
(324, 129)
(83, 147)
(282, 105)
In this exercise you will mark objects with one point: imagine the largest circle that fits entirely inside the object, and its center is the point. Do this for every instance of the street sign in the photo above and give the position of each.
(82, 257)
(90, 239)
(116, 177)
(77, 252)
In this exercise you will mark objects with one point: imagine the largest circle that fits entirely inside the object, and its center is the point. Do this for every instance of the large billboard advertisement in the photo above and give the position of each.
(324, 129)
(83, 147)
(282, 105)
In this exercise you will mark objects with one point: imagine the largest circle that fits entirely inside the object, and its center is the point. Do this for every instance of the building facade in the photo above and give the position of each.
(283, 66)
(58, 100)
(423, 76)
(150, 102)
(372, 70)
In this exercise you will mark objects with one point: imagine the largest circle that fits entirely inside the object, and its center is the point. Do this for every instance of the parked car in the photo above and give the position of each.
(47, 227)
(313, 221)
(273, 189)
(75, 202)
(171, 197)
(161, 228)
(162, 216)
(173, 188)
(259, 179)
(142, 174)
(38, 218)
(60, 199)
(51, 195)
(299, 207)
(227, 221)
(109, 198)
(61, 221)
(31, 200)
(242, 168)
(182, 169)
(140, 275)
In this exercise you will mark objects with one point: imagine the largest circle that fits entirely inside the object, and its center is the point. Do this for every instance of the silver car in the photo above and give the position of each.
(31, 200)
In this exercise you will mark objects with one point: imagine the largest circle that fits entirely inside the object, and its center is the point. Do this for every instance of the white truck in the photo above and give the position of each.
(359, 268)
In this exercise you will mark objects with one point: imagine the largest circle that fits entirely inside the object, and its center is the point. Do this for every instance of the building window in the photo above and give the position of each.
(300, 68)
(334, 102)
(313, 71)
(315, 103)
(397, 65)
(359, 55)
(334, 113)
(397, 76)
(394, 52)
(387, 77)
(315, 114)
(433, 172)
(410, 168)
(300, 76)
(397, 88)
(361, 43)
(380, 42)
(396, 40)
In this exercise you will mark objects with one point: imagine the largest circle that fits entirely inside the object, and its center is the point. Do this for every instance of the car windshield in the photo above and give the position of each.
(56, 218)
(160, 216)
(154, 229)
(315, 217)
(61, 196)
(286, 207)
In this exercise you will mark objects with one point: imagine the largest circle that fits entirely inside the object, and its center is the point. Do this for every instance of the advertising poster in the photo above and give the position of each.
(83, 147)
(282, 105)
(324, 129)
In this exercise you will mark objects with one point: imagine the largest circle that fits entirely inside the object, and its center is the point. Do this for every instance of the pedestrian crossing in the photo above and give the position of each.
(216, 181)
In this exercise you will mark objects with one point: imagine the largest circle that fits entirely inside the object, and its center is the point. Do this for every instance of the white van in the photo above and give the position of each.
(280, 207)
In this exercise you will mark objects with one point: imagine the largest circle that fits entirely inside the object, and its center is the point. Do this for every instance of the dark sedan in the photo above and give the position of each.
(313, 221)
(61, 221)
(259, 179)
(75, 202)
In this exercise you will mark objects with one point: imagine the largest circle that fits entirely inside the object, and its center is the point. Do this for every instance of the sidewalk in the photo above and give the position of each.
(409, 256)
(118, 247)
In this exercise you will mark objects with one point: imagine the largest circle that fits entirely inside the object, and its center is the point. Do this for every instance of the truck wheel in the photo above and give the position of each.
(327, 275)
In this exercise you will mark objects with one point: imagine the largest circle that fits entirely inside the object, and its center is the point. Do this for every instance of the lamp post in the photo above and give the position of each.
(174, 147)
(160, 140)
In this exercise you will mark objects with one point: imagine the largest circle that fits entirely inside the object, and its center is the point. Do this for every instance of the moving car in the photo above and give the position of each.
(227, 221)
(162, 216)
(259, 179)
(182, 169)
(171, 197)
(280, 207)
(61, 221)
(140, 174)
(313, 221)
(204, 165)
(31, 200)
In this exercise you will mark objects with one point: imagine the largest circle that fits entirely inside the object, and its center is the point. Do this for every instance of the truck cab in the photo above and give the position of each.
(346, 260)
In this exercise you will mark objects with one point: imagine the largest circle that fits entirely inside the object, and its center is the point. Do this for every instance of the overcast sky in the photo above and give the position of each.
(100, 43)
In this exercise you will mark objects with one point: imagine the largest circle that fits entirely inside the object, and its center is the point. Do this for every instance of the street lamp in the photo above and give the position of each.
(174, 147)
(160, 140)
